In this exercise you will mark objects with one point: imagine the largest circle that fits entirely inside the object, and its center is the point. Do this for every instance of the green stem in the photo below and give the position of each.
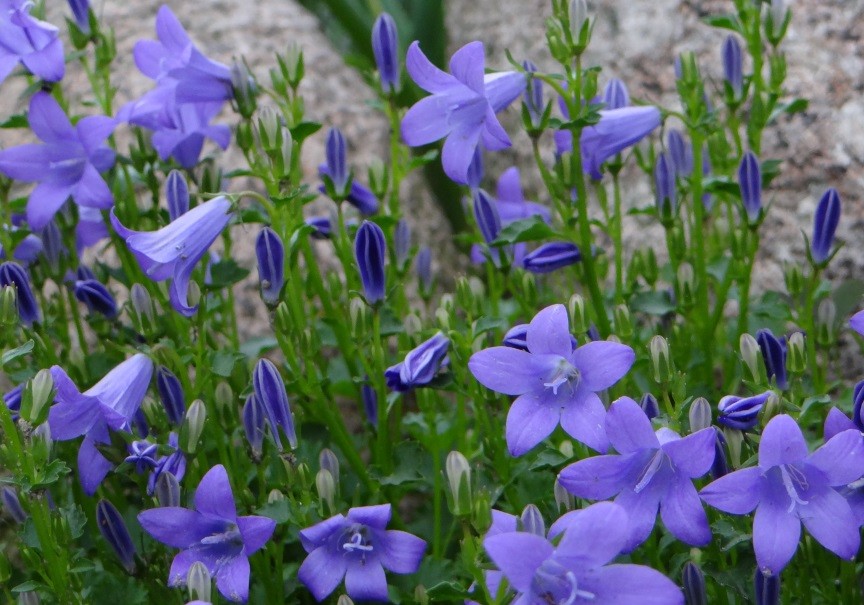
(617, 239)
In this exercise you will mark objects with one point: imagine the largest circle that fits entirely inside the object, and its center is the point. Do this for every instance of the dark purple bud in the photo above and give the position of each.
(270, 391)
(370, 403)
(666, 195)
(423, 264)
(533, 96)
(253, 424)
(767, 588)
(96, 296)
(385, 47)
(143, 455)
(80, 12)
(774, 355)
(271, 264)
(741, 413)
(12, 504)
(825, 225)
(370, 250)
(532, 521)
(12, 399)
(171, 394)
(402, 242)
(720, 466)
(167, 490)
(322, 225)
(593, 333)
(177, 193)
(750, 182)
(139, 421)
(681, 152)
(52, 244)
(517, 337)
(113, 529)
(551, 256)
(475, 169)
(83, 273)
(615, 95)
(337, 168)
(486, 213)
(649, 405)
(857, 402)
(420, 365)
(732, 64)
(694, 584)
(13, 274)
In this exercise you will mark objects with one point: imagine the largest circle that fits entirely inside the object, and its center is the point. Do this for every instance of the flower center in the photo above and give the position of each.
(563, 373)
(556, 585)
(231, 535)
(356, 540)
(793, 480)
(650, 470)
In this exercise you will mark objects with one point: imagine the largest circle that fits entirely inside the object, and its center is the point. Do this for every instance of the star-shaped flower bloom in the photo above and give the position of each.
(652, 470)
(790, 487)
(110, 403)
(554, 382)
(358, 547)
(212, 534)
(578, 570)
(462, 106)
(30, 41)
(835, 423)
(66, 165)
(173, 251)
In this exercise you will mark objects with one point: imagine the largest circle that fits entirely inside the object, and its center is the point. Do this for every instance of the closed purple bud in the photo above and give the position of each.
(767, 588)
(533, 96)
(12, 399)
(253, 424)
(750, 182)
(385, 47)
(732, 64)
(532, 521)
(420, 365)
(177, 193)
(741, 413)
(370, 403)
(13, 274)
(52, 244)
(83, 273)
(423, 264)
(649, 405)
(486, 213)
(270, 391)
(336, 159)
(139, 421)
(720, 466)
(857, 402)
(402, 242)
(694, 584)
(167, 489)
(825, 225)
(475, 169)
(666, 195)
(370, 250)
(12, 504)
(773, 351)
(80, 12)
(171, 394)
(322, 225)
(96, 296)
(615, 95)
(551, 256)
(517, 337)
(271, 270)
(113, 529)
(681, 152)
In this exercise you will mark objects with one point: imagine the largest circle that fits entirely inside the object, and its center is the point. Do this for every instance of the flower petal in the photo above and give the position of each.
(836, 422)
(462, 142)
(317, 535)
(593, 537)
(509, 371)
(47, 119)
(425, 74)
(123, 388)
(44, 202)
(782, 442)
(27, 163)
(530, 420)
(321, 572)
(467, 64)
(92, 466)
(737, 493)
(376, 517)
(549, 332)
(213, 497)
(185, 559)
(170, 31)
(255, 531)
(401, 552)
(602, 363)
(232, 579)
(693, 455)
(628, 428)
(842, 458)
(366, 582)
(178, 527)
(427, 121)
(92, 190)
(93, 130)
(776, 533)
(583, 419)
(47, 63)
(641, 511)
(598, 477)
(493, 136)
(829, 518)
(518, 555)
(682, 513)
(630, 585)
(502, 88)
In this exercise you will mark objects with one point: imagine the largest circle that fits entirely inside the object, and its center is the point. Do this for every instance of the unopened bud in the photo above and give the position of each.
(421, 597)
(734, 439)
(751, 356)
(358, 312)
(12, 505)
(269, 124)
(113, 529)
(826, 319)
(694, 584)
(223, 396)
(30, 597)
(167, 490)
(344, 600)
(286, 152)
(579, 323)
(563, 499)
(578, 16)
(41, 389)
(326, 486)
(532, 521)
(649, 405)
(686, 282)
(700, 414)
(293, 60)
(379, 179)
(8, 307)
(244, 88)
(459, 476)
(193, 294)
(464, 294)
(796, 357)
(412, 324)
(143, 306)
(623, 323)
(199, 582)
(282, 319)
(659, 349)
(195, 417)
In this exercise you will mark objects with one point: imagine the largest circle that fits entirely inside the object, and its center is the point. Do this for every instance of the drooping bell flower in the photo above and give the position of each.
(824, 226)
(385, 47)
(29, 41)
(13, 274)
(173, 251)
(420, 366)
(370, 250)
(271, 260)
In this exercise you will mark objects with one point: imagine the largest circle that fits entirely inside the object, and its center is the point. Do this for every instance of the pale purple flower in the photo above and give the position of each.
(553, 381)
(109, 404)
(578, 569)
(791, 486)
(462, 107)
(652, 470)
(91, 228)
(67, 163)
(34, 43)
(173, 464)
(183, 130)
(212, 534)
(173, 251)
(357, 547)
(835, 423)
(142, 454)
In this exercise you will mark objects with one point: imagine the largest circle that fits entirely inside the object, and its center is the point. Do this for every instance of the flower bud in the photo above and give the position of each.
(253, 425)
(412, 324)
(270, 390)
(649, 405)
(167, 489)
(660, 359)
(750, 355)
(857, 402)
(29, 597)
(13, 274)
(767, 588)
(113, 529)
(824, 226)
(750, 183)
(615, 95)
(370, 250)
(271, 271)
(699, 415)
(322, 227)
(269, 127)
(286, 153)
(551, 256)
(370, 403)
(579, 323)
(293, 60)
(794, 278)
(774, 355)
(741, 412)
(694, 584)
(38, 394)
(734, 439)
(177, 194)
(423, 266)
(680, 152)
(733, 65)
(686, 285)
(142, 305)
(402, 242)
(326, 486)
(328, 461)
(12, 504)
(564, 500)
(195, 417)
(344, 600)
(475, 169)
(244, 88)
(199, 582)
(532, 98)
(171, 395)
(337, 165)
(8, 306)
(421, 365)
(665, 191)
(532, 521)
(486, 214)
(578, 16)
(96, 297)
(776, 21)
(796, 358)
(458, 472)
(623, 321)
(720, 466)
(385, 47)
(826, 321)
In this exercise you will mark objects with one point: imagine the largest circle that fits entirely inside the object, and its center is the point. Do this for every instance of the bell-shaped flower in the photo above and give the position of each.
(791, 486)
(173, 251)
(28, 40)
(212, 534)
(553, 381)
(67, 163)
(13, 274)
(653, 470)
(357, 547)
(462, 107)
(109, 404)
(184, 129)
(421, 365)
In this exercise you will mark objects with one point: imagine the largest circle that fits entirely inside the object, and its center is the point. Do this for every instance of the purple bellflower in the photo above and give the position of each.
(553, 381)
(184, 128)
(835, 423)
(109, 404)
(577, 569)
(552, 256)
(27, 40)
(13, 274)
(269, 388)
(67, 163)
(824, 226)
(370, 251)
(357, 547)
(790, 487)
(421, 365)
(173, 251)
(741, 413)
(173, 464)
(773, 351)
(652, 470)
(142, 455)
(385, 47)
(171, 395)
(462, 107)
(212, 534)
(750, 182)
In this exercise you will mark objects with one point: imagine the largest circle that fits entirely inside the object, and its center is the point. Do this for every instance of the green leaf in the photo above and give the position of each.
(729, 22)
(226, 273)
(304, 130)
(223, 362)
(421, 160)
(19, 120)
(16, 353)
(529, 229)
(75, 520)
(652, 303)
(486, 323)
(447, 592)
(794, 106)
(253, 348)
(847, 297)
